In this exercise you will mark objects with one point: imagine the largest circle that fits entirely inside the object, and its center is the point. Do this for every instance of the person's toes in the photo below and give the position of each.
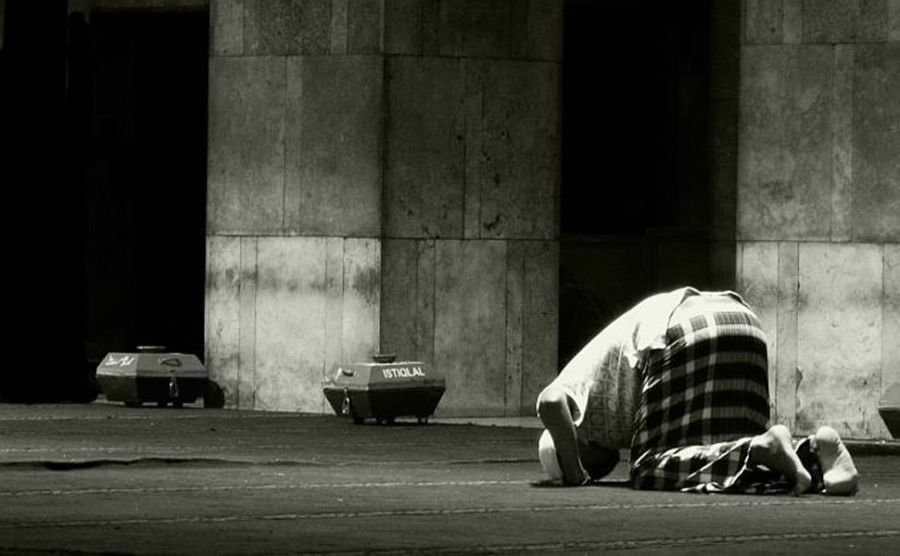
(838, 472)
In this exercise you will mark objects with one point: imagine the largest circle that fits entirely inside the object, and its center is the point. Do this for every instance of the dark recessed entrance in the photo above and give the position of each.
(635, 198)
(146, 182)
(104, 172)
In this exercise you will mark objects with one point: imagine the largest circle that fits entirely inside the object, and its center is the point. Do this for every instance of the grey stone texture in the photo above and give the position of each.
(287, 27)
(282, 311)
(839, 330)
(481, 311)
(521, 29)
(333, 146)
(246, 145)
(763, 21)
(518, 130)
(817, 204)
(364, 26)
(820, 21)
(784, 166)
(890, 358)
(426, 141)
(227, 27)
(876, 143)
(433, 124)
(845, 21)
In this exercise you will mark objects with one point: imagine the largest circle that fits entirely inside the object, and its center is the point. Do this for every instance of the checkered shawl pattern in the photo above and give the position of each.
(702, 399)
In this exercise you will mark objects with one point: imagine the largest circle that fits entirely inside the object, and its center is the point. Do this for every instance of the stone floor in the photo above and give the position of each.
(102, 478)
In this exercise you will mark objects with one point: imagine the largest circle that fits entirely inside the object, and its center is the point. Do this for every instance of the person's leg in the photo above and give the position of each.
(556, 415)
(775, 450)
(704, 400)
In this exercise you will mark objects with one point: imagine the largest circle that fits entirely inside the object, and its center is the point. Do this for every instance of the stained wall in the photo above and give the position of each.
(818, 204)
(383, 176)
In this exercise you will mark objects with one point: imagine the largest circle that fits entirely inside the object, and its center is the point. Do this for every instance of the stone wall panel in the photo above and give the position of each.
(287, 27)
(839, 338)
(290, 320)
(520, 138)
(470, 325)
(223, 305)
(246, 145)
(784, 167)
(333, 145)
(876, 143)
(425, 158)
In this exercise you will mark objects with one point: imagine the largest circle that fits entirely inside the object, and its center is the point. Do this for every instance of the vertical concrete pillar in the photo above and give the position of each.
(294, 196)
(471, 187)
(384, 174)
(818, 200)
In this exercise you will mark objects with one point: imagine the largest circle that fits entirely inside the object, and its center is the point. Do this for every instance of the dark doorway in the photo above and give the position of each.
(104, 171)
(146, 184)
(635, 199)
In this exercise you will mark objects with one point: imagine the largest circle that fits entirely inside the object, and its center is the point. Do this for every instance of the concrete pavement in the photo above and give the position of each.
(102, 478)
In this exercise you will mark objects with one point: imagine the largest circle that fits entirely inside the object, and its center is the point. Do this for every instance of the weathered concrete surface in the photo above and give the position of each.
(818, 173)
(336, 123)
(839, 338)
(281, 312)
(104, 478)
(890, 359)
(876, 143)
(845, 21)
(226, 27)
(784, 166)
(333, 146)
(518, 129)
(285, 27)
(470, 325)
(519, 29)
(824, 308)
(758, 283)
(763, 21)
(425, 158)
(503, 323)
(246, 145)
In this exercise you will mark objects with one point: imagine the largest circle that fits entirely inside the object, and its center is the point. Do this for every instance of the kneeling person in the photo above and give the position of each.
(681, 380)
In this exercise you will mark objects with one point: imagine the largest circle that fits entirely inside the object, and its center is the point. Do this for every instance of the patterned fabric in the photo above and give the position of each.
(702, 399)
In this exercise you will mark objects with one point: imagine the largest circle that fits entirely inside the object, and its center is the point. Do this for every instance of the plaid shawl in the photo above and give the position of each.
(702, 399)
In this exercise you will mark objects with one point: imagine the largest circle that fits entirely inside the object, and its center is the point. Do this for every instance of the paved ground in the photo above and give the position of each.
(103, 478)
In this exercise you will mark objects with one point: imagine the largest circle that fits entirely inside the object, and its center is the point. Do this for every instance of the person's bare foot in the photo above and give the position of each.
(838, 472)
(774, 450)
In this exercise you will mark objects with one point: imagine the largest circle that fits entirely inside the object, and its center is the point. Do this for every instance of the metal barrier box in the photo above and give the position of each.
(155, 377)
(384, 391)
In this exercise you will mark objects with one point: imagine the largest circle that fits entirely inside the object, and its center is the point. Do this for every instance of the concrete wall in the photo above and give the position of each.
(818, 204)
(383, 176)
(471, 185)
